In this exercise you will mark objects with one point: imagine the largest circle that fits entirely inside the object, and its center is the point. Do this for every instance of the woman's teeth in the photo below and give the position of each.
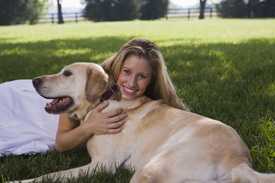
(129, 90)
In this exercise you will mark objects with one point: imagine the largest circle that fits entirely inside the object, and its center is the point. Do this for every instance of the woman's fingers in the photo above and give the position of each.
(107, 122)
(114, 130)
(118, 124)
(113, 113)
(101, 106)
(118, 118)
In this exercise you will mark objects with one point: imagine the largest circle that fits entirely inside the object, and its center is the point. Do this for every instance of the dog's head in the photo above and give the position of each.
(74, 89)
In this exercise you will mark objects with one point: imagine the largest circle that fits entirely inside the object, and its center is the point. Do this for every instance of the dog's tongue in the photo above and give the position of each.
(58, 105)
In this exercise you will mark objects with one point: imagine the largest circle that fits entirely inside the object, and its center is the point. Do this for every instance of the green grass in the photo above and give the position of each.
(223, 69)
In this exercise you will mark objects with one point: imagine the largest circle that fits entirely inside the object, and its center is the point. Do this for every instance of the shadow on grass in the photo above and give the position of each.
(26, 60)
(234, 83)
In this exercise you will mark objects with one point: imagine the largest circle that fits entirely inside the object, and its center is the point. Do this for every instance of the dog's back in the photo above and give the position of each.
(170, 136)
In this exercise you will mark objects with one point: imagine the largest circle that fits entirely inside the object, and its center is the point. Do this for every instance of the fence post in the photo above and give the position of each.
(188, 14)
(211, 12)
(52, 18)
(76, 17)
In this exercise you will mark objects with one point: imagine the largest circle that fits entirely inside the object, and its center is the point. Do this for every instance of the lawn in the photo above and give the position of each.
(223, 69)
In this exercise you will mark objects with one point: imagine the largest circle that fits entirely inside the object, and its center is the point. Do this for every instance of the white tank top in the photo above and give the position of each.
(25, 127)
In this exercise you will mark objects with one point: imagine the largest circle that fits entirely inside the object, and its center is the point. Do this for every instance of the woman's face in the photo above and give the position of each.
(134, 77)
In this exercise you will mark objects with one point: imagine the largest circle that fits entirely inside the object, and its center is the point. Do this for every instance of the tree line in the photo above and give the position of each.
(246, 8)
(111, 10)
(28, 11)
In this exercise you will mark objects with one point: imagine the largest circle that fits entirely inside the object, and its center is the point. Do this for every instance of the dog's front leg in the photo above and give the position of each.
(63, 175)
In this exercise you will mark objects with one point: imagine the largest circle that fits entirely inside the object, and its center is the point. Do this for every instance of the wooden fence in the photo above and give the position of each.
(67, 17)
(191, 13)
(172, 13)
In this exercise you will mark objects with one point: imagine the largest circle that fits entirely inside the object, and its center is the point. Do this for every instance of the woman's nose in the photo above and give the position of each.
(132, 82)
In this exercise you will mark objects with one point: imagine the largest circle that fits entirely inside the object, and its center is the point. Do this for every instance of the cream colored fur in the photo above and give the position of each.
(162, 144)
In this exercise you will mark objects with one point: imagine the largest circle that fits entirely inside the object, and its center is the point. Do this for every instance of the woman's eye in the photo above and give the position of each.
(126, 71)
(142, 77)
(67, 73)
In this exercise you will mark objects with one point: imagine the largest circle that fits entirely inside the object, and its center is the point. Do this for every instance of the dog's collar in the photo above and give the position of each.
(109, 93)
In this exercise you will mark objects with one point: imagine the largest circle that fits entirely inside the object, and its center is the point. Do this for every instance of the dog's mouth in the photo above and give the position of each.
(59, 105)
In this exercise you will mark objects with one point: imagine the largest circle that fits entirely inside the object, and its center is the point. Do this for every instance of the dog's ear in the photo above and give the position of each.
(96, 85)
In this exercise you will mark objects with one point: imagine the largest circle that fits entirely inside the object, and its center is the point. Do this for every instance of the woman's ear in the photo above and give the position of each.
(96, 85)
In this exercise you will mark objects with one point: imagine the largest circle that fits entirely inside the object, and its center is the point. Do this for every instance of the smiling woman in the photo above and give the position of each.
(134, 77)
(139, 69)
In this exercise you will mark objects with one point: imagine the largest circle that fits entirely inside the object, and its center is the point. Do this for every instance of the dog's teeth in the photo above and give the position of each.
(58, 104)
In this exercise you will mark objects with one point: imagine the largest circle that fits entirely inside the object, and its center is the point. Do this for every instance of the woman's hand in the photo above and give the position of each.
(99, 122)
(70, 136)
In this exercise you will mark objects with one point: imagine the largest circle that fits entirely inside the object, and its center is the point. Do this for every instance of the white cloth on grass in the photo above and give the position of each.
(25, 127)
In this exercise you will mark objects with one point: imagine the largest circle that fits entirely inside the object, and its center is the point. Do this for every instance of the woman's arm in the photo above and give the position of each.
(69, 135)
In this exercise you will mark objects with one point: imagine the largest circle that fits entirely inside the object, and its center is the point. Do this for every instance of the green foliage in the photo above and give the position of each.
(20, 11)
(265, 8)
(153, 9)
(226, 75)
(111, 10)
(232, 8)
(239, 9)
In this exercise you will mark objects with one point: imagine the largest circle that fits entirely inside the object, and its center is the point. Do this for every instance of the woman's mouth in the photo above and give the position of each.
(128, 91)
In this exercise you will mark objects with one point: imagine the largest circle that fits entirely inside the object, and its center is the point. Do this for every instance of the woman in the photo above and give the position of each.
(138, 69)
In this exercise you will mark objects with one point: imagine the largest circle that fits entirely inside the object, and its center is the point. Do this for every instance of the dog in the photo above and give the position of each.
(163, 144)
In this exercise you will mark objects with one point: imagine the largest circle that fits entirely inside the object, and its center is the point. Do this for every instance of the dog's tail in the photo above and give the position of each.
(244, 174)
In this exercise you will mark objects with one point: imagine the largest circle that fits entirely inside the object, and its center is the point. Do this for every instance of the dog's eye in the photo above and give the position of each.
(67, 73)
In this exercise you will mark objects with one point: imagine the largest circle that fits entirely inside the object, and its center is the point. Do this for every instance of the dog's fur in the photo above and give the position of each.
(163, 144)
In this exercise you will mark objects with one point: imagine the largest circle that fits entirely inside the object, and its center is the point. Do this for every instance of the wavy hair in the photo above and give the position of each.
(160, 86)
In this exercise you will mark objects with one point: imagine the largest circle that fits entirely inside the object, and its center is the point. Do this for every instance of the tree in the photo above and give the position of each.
(268, 8)
(261, 8)
(153, 9)
(20, 11)
(232, 9)
(59, 12)
(202, 8)
(246, 8)
(111, 10)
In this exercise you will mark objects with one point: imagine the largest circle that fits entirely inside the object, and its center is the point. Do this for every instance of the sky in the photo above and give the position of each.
(185, 3)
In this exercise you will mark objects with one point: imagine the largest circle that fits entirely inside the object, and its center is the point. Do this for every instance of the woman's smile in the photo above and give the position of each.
(134, 77)
(128, 90)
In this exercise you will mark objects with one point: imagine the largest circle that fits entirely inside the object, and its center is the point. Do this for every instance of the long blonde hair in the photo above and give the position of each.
(161, 86)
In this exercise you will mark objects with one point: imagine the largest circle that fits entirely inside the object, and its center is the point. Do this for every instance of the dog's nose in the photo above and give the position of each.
(36, 82)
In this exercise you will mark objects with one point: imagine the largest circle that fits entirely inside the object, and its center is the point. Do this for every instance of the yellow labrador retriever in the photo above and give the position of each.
(162, 144)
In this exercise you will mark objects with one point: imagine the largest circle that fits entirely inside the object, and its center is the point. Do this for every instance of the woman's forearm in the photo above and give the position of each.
(72, 138)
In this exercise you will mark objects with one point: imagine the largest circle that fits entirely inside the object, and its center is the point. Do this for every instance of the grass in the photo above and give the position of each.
(223, 69)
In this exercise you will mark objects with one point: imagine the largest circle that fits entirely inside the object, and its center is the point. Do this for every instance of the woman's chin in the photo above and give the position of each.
(129, 97)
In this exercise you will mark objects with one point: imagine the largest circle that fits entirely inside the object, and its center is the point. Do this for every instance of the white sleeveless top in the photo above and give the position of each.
(25, 127)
